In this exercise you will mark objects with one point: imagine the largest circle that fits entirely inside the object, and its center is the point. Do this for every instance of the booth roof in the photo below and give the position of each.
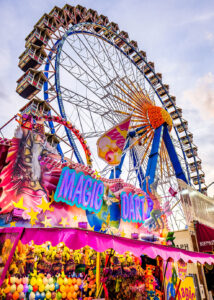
(78, 238)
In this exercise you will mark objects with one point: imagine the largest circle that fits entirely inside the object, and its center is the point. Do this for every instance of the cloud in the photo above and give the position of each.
(202, 95)
(209, 36)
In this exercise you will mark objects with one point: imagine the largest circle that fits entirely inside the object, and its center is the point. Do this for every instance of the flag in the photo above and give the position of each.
(172, 192)
(111, 144)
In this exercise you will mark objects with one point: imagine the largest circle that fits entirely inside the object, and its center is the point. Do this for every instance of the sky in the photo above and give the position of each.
(178, 35)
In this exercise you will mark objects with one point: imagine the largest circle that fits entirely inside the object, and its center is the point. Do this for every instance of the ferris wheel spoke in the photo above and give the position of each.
(93, 88)
(112, 88)
(104, 84)
(95, 57)
(84, 60)
(84, 102)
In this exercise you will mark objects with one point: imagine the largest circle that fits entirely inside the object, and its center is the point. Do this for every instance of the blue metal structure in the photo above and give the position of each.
(162, 133)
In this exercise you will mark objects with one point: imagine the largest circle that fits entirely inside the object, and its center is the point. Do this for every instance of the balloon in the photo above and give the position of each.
(33, 281)
(15, 295)
(12, 280)
(65, 281)
(47, 287)
(13, 288)
(62, 288)
(56, 286)
(41, 288)
(69, 281)
(39, 281)
(45, 280)
(60, 281)
(53, 295)
(50, 280)
(35, 288)
(64, 295)
(79, 281)
(25, 280)
(59, 296)
(52, 287)
(25, 290)
(42, 295)
(30, 288)
(48, 295)
(20, 288)
(22, 295)
(76, 287)
(18, 280)
(67, 288)
(7, 289)
(49, 276)
(32, 296)
(37, 296)
(9, 296)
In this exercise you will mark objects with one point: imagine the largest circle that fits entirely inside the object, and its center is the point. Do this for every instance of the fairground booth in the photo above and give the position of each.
(93, 172)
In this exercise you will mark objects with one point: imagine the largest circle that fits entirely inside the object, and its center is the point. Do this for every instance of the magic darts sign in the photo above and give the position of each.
(79, 189)
(132, 207)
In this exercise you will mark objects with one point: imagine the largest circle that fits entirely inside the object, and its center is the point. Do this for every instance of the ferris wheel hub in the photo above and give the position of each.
(158, 116)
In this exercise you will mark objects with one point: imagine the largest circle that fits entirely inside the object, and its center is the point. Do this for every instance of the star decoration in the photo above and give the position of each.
(64, 222)
(44, 205)
(96, 173)
(13, 224)
(32, 222)
(20, 204)
(46, 222)
(75, 218)
(33, 215)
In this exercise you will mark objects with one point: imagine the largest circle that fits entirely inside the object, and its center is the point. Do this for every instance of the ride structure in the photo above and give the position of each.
(91, 74)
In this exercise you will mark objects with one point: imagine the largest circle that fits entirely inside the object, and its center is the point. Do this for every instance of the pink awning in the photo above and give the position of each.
(77, 238)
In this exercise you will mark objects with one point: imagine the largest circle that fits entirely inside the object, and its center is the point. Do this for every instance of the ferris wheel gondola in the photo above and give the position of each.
(82, 61)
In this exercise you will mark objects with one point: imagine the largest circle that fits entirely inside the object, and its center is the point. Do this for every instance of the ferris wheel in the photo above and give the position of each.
(92, 75)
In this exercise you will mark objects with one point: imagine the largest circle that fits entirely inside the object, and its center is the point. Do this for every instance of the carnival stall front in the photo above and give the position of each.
(65, 263)
(89, 193)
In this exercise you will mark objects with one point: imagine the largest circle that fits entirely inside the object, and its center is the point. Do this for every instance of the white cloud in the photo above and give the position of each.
(209, 36)
(202, 95)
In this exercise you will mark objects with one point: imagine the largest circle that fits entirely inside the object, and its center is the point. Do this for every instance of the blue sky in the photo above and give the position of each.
(178, 35)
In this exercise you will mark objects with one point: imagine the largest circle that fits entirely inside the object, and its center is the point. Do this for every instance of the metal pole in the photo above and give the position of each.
(98, 273)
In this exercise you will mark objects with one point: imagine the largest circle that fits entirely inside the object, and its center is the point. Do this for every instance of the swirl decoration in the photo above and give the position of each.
(75, 131)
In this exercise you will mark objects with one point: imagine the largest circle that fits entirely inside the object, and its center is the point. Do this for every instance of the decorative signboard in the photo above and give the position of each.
(132, 207)
(83, 191)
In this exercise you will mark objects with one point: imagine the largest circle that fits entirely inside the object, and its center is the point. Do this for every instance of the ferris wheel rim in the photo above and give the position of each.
(77, 22)
(71, 31)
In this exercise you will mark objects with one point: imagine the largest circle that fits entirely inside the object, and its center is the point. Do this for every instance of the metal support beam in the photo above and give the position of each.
(116, 171)
(153, 157)
(179, 173)
(138, 168)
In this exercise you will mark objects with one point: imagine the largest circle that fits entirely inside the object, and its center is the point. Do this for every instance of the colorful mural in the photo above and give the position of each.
(178, 284)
